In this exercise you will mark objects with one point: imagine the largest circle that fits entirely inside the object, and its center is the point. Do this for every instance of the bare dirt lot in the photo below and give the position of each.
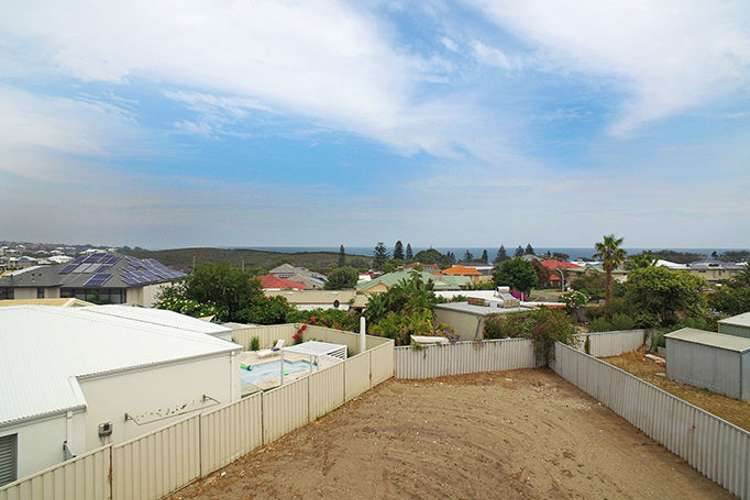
(521, 434)
(731, 410)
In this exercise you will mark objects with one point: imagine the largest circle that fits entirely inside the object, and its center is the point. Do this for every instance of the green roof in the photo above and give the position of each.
(440, 282)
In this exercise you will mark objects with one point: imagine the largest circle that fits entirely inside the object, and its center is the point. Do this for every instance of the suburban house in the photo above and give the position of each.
(440, 282)
(302, 275)
(75, 378)
(736, 325)
(99, 277)
(715, 270)
(468, 271)
(554, 273)
(306, 300)
(271, 282)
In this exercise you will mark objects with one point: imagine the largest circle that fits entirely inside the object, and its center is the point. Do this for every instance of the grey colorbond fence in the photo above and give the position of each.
(158, 463)
(463, 357)
(603, 344)
(714, 447)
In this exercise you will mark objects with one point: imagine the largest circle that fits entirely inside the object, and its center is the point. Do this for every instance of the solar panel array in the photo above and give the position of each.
(89, 263)
(135, 272)
(145, 271)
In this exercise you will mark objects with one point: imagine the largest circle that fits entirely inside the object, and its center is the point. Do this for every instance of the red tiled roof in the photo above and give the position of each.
(558, 264)
(270, 281)
(461, 271)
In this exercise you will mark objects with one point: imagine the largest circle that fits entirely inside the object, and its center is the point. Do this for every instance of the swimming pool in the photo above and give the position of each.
(271, 370)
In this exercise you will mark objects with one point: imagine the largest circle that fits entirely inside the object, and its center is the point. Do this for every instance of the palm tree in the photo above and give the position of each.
(612, 256)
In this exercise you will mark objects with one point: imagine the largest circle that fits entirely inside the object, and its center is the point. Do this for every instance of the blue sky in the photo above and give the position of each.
(313, 123)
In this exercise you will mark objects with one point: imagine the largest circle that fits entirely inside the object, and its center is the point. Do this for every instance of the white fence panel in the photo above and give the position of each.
(463, 357)
(713, 446)
(381, 363)
(357, 375)
(82, 478)
(230, 431)
(267, 335)
(603, 344)
(158, 463)
(326, 390)
(285, 409)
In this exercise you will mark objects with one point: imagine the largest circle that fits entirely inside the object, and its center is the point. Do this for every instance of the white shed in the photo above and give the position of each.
(714, 361)
(76, 378)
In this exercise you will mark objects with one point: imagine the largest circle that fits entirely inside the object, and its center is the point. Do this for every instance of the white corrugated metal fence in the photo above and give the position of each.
(713, 446)
(463, 357)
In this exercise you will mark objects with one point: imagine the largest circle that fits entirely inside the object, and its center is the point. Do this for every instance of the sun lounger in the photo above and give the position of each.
(264, 353)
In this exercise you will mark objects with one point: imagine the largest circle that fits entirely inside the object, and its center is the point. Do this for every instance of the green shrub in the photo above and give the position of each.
(657, 340)
(254, 344)
(622, 321)
(503, 326)
(547, 327)
(600, 325)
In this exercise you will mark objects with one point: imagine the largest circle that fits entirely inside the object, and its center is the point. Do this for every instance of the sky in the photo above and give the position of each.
(314, 123)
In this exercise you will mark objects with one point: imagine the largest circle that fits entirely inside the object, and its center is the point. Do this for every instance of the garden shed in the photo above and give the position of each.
(736, 325)
(714, 361)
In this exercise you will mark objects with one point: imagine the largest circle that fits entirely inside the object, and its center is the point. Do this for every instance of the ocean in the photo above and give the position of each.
(573, 252)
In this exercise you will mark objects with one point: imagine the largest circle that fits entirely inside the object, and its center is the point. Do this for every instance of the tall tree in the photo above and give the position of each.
(501, 254)
(342, 256)
(468, 256)
(515, 273)
(409, 253)
(342, 278)
(485, 257)
(379, 257)
(398, 251)
(609, 250)
(518, 252)
(529, 250)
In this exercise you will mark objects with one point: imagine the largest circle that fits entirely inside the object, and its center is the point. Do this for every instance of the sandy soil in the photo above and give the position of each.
(731, 410)
(521, 434)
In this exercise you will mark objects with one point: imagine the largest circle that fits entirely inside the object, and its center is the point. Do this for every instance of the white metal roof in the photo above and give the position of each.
(464, 307)
(161, 317)
(720, 340)
(44, 349)
(739, 320)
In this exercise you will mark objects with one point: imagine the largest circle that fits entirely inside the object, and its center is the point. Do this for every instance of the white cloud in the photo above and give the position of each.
(449, 44)
(669, 56)
(37, 132)
(491, 55)
(324, 60)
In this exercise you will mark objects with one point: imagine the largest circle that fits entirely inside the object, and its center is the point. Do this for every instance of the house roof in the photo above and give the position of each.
(45, 302)
(96, 270)
(440, 282)
(466, 308)
(553, 264)
(720, 340)
(739, 320)
(269, 281)
(314, 296)
(46, 349)
(457, 270)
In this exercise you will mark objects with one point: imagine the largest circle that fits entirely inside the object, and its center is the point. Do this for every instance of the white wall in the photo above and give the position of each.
(24, 293)
(149, 394)
(40, 442)
(145, 296)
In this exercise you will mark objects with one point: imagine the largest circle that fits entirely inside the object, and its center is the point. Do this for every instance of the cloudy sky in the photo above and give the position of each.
(473, 122)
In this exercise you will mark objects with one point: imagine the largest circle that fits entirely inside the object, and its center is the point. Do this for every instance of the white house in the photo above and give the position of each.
(74, 379)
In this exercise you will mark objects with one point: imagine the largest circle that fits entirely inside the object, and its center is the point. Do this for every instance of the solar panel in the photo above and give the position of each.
(98, 279)
(68, 268)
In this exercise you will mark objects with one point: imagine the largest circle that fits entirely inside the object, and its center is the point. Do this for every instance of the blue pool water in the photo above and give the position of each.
(271, 370)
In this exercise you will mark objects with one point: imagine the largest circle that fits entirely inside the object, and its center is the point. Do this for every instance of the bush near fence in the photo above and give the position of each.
(161, 462)
(711, 445)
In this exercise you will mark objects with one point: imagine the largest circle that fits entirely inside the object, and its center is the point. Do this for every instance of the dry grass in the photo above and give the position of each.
(731, 410)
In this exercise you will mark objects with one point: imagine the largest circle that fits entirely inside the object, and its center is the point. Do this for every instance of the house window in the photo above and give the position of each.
(8, 459)
(6, 293)
(40, 293)
(96, 295)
